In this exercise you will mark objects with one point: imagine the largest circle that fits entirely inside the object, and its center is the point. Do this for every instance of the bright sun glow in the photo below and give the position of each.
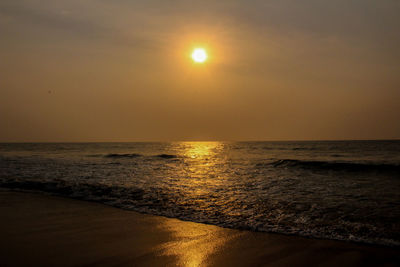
(199, 55)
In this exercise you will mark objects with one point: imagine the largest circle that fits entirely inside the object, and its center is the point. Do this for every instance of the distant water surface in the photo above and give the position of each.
(346, 190)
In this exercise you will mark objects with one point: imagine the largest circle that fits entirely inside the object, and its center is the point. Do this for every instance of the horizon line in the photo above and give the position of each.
(171, 141)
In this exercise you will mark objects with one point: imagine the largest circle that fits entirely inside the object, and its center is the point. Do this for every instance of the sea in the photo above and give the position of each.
(342, 190)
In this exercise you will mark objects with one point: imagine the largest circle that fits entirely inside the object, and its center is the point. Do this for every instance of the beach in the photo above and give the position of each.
(42, 230)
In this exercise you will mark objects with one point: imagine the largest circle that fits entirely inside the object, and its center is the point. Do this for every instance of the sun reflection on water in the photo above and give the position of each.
(194, 243)
(203, 167)
(200, 149)
(204, 173)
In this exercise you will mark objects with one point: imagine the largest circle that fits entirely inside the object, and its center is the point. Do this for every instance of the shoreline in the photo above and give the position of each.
(38, 229)
(387, 243)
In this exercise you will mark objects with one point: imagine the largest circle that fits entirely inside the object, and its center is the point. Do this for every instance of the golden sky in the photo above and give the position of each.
(98, 70)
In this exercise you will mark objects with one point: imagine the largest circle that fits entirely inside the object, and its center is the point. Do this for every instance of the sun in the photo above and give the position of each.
(199, 55)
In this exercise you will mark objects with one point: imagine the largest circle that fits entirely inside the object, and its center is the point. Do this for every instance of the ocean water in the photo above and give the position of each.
(345, 190)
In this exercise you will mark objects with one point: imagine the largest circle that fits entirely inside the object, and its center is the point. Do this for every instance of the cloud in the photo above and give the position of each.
(144, 23)
(61, 24)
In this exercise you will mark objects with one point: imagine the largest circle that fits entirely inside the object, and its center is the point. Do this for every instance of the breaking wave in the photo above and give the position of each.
(336, 166)
(134, 155)
(166, 156)
(122, 155)
(160, 202)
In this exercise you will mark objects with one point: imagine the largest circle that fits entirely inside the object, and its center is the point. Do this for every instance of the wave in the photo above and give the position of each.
(166, 156)
(289, 148)
(304, 148)
(134, 155)
(164, 203)
(122, 155)
(336, 165)
(86, 191)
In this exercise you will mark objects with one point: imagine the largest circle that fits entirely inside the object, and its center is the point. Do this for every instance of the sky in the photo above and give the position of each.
(102, 70)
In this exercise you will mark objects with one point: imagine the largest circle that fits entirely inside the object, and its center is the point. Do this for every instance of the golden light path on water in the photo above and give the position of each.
(200, 149)
(204, 166)
(196, 242)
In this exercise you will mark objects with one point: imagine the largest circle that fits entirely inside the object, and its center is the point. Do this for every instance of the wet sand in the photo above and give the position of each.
(39, 230)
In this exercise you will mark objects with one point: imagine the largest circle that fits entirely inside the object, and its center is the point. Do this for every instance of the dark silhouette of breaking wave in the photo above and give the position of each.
(122, 155)
(336, 166)
(134, 155)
